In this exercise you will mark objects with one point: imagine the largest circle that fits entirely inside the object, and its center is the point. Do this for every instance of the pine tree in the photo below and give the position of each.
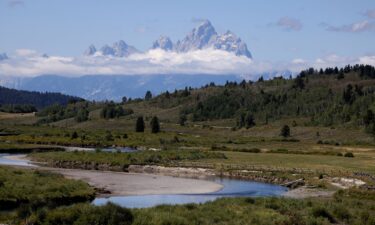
(82, 115)
(148, 95)
(140, 125)
(285, 131)
(249, 120)
(299, 83)
(182, 119)
(155, 125)
(74, 135)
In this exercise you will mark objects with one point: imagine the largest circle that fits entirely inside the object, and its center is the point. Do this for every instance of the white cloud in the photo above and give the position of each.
(367, 60)
(370, 13)
(26, 52)
(298, 61)
(361, 26)
(289, 23)
(208, 61)
(30, 63)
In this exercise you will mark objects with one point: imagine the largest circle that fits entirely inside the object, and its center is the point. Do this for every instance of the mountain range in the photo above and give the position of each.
(112, 87)
(203, 36)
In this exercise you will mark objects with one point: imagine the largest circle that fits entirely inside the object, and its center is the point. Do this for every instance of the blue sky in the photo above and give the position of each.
(273, 30)
(282, 35)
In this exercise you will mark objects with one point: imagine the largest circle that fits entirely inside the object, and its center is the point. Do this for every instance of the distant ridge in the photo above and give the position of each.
(38, 99)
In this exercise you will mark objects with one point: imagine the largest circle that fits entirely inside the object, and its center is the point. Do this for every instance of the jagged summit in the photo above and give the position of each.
(121, 49)
(91, 50)
(3, 56)
(204, 36)
(164, 43)
(118, 49)
(199, 38)
(231, 43)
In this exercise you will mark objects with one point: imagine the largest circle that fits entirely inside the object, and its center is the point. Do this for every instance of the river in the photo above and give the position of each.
(231, 188)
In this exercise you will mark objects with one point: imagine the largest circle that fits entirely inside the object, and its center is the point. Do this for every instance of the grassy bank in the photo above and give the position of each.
(267, 167)
(337, 210)
(123, 160)
(38, 188)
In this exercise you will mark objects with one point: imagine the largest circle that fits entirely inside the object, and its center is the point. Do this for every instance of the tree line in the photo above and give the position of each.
(37, 99)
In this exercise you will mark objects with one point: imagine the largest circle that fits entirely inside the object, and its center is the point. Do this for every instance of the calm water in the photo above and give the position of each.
(119, 149)
(232, 188)
(109, 149)
(5, 161)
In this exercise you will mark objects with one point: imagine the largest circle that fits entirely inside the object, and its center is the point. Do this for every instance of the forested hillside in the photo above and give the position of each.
(327, 97)
(12, 100)
(324, 97)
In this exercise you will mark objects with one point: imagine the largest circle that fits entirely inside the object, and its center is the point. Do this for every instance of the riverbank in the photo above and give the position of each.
(110, 183)
(143, 180)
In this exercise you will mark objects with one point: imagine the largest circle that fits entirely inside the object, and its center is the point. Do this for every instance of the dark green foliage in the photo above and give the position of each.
(112, 110)
(37, 99)
(155, 125)
(366, 71)
(18, 108)
(82, 115)
(249, 120)
(109, 214)
(109, 136)
(340, 76)
(126, 159)
(75, 109)
(369, 121)
(348, 95)
(148, 95)
(28, 188)
(322, 212)
(182, 119)
(285, 131)
(315, 95)
(140, 124)
(246, 120)
(352, 206)
(299, 82)
(185, 92)
(74, 135)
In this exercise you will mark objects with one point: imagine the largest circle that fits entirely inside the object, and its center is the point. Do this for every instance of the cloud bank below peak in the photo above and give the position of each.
(155, 61)
(29, 63)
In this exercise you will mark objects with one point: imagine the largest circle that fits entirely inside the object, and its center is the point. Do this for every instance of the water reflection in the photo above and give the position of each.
(232, 188)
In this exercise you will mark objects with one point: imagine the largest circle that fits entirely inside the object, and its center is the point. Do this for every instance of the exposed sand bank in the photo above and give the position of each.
(121, 183)
(304, 192)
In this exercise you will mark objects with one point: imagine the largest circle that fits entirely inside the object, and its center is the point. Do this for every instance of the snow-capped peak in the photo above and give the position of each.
(121, 49)
(201, 37)
(118, 49)
(198, 38)
(231, 43)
